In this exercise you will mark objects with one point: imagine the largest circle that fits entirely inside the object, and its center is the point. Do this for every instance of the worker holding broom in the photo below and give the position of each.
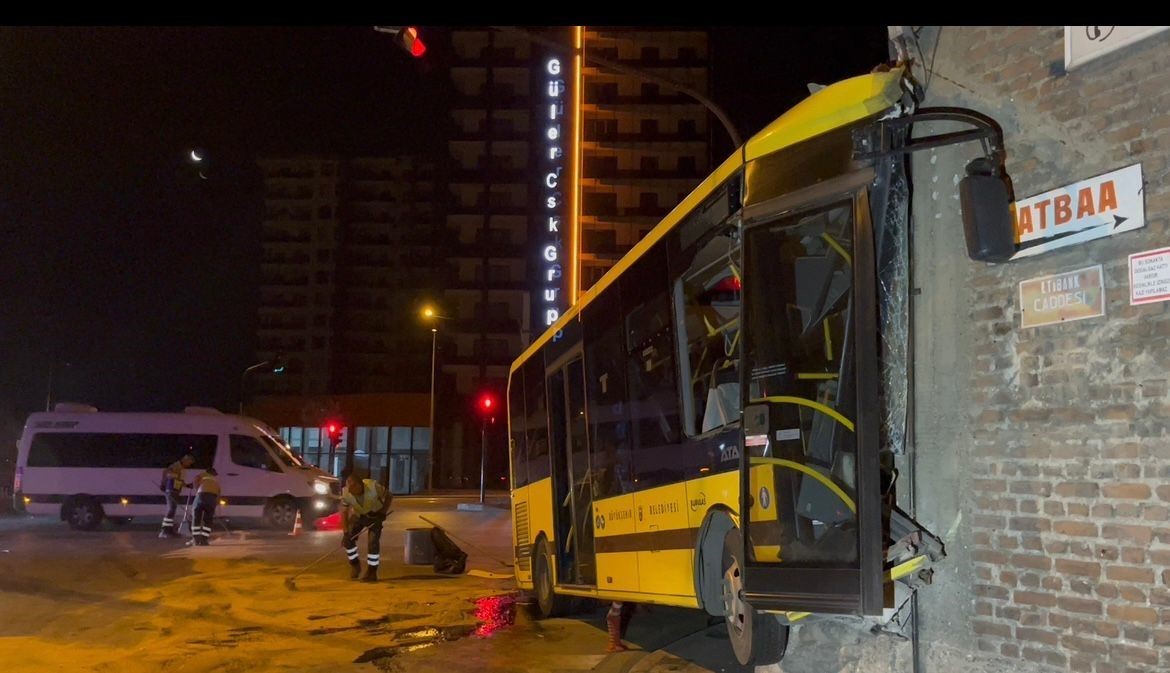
(364, 505)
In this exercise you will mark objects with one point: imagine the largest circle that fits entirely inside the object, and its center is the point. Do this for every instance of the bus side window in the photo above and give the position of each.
(517, 443)
(536, 424)
(652, 381)
(605, 392)
(249, 452)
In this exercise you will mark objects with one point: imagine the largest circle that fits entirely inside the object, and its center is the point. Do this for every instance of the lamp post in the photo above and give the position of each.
(275, 365)
(430, 314)
(49, 393)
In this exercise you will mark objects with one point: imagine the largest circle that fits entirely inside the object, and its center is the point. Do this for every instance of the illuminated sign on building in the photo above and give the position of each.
(553, 199)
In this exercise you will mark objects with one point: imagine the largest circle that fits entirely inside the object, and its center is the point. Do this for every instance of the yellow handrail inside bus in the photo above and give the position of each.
(804, 402)
(837, 246)
(799, 467)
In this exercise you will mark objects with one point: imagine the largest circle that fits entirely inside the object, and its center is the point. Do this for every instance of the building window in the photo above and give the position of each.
(599, 203)
(649, 164)
(687, 127)
(325, 212)
(651, 54)
(687, 165)
(649, 127)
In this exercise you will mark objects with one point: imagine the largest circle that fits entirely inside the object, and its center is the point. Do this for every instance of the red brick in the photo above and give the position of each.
(1030, 488)
(1133, 594)
(1126, 490)
(1069, 567)
(1082, 605)
(1129, 613)
(984, 628)
(1134, 653)
(1082, 644)
(1137, 534)
(989, 556)
(1030, 524)
(1133, 555)
(1129, 574)
(1042, 599)
(1031, 561)
(989, 486)
(1075, 528)
(1086, 489)
(1037, 636)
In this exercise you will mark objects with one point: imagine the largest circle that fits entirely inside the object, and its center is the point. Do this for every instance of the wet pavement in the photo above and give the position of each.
(120, 599)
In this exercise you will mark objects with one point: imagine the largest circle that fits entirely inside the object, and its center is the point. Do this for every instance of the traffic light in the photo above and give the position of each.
(407, 37)
(333, 430)
(486, 404)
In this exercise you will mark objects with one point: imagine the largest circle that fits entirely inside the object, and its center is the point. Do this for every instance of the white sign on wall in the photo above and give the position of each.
(1149, 276)
(1100, 206)
(1085, 43)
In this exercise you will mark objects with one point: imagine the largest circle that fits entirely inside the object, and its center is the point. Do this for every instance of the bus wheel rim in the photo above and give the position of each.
(733, 603)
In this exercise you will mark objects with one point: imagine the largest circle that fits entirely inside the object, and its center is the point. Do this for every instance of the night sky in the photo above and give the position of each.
(117, 258)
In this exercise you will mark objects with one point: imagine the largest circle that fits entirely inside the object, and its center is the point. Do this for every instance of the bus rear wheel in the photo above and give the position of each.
(756, 637)
(548, 603)
(83, 513)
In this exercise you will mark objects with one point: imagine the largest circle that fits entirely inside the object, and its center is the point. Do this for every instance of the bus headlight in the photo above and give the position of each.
(320, 487)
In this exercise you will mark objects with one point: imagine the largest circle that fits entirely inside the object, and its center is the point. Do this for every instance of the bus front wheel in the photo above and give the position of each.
(548, 603)
(756, 637)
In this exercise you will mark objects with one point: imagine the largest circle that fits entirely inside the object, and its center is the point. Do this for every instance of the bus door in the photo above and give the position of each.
(572, 483)
(810, 467)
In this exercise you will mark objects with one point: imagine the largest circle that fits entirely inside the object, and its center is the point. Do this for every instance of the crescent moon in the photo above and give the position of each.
(195, 156)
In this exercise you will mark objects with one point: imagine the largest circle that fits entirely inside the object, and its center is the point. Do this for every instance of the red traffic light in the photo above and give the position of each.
(487, 404)
(333, 430)
(412, 42)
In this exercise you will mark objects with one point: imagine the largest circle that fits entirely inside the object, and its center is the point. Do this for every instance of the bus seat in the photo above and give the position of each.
(722, 403)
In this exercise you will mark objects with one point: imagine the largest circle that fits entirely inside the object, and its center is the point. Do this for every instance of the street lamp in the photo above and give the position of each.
(431, 315)
(276, 366)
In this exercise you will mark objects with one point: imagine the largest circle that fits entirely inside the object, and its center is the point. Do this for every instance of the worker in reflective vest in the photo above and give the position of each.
(172, 485)
(206, 498)
(365, 505)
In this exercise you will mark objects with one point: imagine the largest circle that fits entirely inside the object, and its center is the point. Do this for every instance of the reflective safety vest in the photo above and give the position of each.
(173, 477)
(207, 483)
(371, 499)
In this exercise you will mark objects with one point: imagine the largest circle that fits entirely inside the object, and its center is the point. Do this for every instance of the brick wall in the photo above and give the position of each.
(1044, 454)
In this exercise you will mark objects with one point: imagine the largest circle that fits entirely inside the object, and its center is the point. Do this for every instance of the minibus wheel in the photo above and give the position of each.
(280, 513)
(83, 513)
(756, 637)
(548, 603)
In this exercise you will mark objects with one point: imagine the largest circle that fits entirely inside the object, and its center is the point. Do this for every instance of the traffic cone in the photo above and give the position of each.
(296, 525)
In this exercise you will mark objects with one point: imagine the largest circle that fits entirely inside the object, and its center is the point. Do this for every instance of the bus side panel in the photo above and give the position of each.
(613, 523)
(664, 532)
(540, 515)
(522, 536)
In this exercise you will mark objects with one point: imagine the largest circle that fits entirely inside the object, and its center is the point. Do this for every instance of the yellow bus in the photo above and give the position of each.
(710, 425)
